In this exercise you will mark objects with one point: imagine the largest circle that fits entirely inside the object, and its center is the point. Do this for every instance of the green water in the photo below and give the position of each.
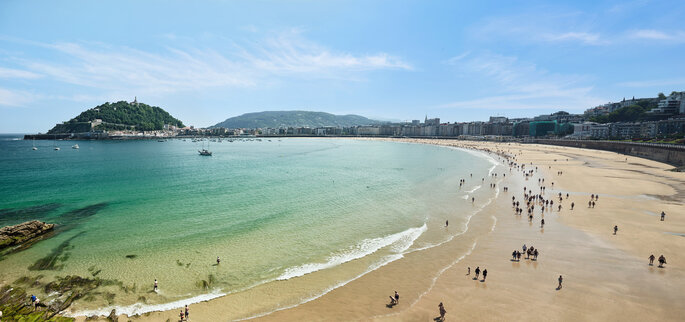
(272, 210)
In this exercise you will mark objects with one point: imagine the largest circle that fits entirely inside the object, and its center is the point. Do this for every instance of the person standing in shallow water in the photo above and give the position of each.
(397, 297)
(561, 279)
(477, 271)
(485, 274)
(663, 216)
(447, 223)
(615, 229)
(156, 288)
(651, 259)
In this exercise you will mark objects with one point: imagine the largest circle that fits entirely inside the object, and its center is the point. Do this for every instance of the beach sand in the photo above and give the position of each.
(606, 276)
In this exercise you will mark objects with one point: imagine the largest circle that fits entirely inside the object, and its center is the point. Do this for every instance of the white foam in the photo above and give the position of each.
(474, 189)
(140, 308)
(401, 242)
(408, 238)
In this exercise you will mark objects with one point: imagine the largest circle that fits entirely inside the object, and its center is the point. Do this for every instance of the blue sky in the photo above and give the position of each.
(205, 61)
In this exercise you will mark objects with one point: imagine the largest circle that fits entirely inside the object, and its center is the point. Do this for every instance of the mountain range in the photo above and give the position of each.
(278, 119)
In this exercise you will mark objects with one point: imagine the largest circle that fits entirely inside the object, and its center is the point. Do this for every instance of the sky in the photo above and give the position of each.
(205, 61)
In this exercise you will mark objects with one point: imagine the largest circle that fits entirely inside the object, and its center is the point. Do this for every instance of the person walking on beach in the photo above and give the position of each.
(485, 274)
(663, 216)
(181, 315)
(187, 312)
(478, 271)
(561, 279)
(662, 261)
(615, 229)
(218, 260)
(572, 204)
(542, 223)
(155, 288)
(447, 223)
(33, 300)
(518, 256)
(651, 259)
(535, 254)
(513, 255)
(442, 310)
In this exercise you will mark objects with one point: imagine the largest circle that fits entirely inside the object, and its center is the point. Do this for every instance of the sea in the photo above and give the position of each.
(318, 212)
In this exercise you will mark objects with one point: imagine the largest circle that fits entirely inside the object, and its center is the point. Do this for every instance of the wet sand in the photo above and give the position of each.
(606, 276)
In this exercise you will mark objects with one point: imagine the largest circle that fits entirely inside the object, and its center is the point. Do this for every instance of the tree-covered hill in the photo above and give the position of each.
(121, 115)
(278, 119)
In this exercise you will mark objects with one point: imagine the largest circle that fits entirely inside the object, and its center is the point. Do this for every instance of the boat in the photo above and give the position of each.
(75, 146)
(56, 148)
(205, 151)
(34, 148)
(54, 144)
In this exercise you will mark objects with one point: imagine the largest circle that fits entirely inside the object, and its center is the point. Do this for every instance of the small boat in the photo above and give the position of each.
(205, 152)
(56, 148)
(34, 148)
(75, 146)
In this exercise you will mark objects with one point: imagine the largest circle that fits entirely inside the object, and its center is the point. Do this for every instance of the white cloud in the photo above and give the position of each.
(655, 83)
(123, 69)
(521, 85)
(17, 73)
(651, 34)
(290, 53)
(541, 26)
(15, 98)
(584, 37)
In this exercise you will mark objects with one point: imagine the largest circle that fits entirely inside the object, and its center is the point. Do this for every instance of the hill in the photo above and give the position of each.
(277, 119)
(121, 115)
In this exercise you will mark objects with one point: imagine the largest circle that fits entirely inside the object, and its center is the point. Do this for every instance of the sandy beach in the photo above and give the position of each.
(606, 276)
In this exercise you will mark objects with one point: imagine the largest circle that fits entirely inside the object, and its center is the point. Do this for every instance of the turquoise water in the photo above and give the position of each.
(272, 210)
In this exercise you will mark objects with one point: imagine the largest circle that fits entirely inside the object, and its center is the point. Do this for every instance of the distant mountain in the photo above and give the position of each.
(121, 115)
(277, 119)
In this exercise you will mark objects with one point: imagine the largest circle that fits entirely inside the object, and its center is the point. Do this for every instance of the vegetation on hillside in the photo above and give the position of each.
(278, 119)
(121, 115)
(632, 113)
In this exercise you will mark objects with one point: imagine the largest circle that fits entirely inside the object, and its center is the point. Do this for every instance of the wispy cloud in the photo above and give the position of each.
(652, 34)
(17, 73)
(15, 97)
(173, 69)
(583, 37)
(521, 85)
(541, 26)
(289, 52)
(654, 83)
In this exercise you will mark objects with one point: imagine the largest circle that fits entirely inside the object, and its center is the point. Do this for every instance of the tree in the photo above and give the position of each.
(662, 96)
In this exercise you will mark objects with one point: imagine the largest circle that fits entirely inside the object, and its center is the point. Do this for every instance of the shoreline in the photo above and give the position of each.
(496, 232)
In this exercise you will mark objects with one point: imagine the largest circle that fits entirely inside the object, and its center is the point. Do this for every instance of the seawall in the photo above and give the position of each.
(666, 153)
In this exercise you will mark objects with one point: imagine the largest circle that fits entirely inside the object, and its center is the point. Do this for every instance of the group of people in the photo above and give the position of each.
(478, 271)
(662, 260)
(529, 251)
(185, 315)
(394, 300)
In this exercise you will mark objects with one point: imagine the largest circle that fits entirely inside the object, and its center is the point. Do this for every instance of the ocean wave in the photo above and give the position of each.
(400, 241)
(140, 308)
(474, 189)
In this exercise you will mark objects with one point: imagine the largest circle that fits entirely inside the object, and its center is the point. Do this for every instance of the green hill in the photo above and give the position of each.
(278, 119)
(121, 115)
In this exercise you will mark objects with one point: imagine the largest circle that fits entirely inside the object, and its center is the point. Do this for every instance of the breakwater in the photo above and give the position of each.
(666, 153)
